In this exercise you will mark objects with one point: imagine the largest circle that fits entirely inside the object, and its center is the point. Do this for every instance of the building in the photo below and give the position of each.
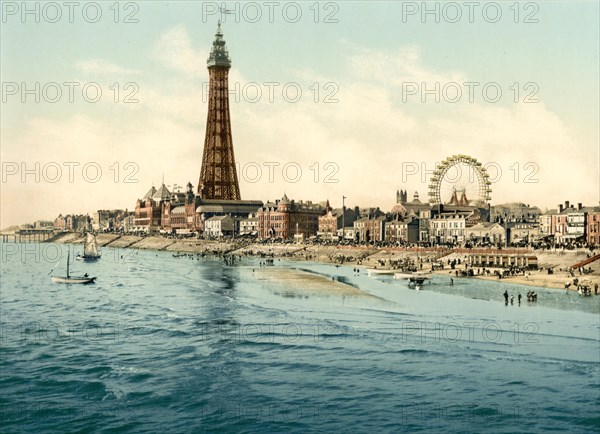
(348, 233)
(450, 226)
(60, 222)
(333, 220)
(249, 226)
(221, 226)
(514, 212)
(105, 219)
(286, 218)
(545, 225)
(43, 224)
(218, 176)
(569, 224)
(486, 232)
(522, 232)
(240, 209)
(500, 260)
(148, 213)
(422, 211)
(73, 222)
(593, 226)
(576, 224)
(179, 212)
(370, 229)
(402, 230)
(128, 223)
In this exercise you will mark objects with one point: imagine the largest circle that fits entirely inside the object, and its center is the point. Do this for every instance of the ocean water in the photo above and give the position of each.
(164, 344)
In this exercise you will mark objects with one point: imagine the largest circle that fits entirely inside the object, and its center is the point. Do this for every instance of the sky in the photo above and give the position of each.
(102, 100)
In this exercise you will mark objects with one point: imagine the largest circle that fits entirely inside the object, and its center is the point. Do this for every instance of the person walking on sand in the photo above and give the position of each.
(505, 297)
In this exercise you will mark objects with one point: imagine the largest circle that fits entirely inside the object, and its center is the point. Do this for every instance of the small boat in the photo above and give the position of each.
(91, 251)
(403, 276)
(72, 279)
(380, 272)
(417, 282)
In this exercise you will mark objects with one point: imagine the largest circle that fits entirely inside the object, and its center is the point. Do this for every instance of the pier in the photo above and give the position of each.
(28, 236)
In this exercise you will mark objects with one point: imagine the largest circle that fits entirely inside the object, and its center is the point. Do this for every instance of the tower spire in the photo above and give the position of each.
(219, 56)
(218, 176)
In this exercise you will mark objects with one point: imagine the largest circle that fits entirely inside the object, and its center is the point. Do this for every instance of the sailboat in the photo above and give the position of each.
(90, 249)
(72, 279)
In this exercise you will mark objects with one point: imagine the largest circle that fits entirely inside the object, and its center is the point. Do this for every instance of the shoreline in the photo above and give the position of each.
(356, 256)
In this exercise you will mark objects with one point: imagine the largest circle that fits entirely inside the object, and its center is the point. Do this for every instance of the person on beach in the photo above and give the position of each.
(512, 300)
(452, 284)
(519, 299)
(505, 297)
(596, 289)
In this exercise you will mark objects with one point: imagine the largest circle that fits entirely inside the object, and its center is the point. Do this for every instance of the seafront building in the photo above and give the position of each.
(286, 219)
(370, 229)
(514, 212)
(402, 230)
(249, 226)
(487, 232)
(593, 225)
(333, 220)
(73, 222)
(113, 219)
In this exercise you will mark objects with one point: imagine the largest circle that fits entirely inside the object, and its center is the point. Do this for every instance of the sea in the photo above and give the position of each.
(188, 344)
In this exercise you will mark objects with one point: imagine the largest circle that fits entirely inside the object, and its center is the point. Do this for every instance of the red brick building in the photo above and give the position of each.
(333, 219)
(370, 229)
(284, 219)
(149, 210)
(593, 226)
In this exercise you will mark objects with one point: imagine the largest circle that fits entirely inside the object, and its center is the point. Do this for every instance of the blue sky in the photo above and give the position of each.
(369, 54)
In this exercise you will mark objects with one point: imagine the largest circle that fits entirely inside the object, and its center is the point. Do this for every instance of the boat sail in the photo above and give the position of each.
(91, 251)
(72, 279)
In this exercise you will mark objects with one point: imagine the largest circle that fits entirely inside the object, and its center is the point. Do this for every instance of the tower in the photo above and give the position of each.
(218, 176)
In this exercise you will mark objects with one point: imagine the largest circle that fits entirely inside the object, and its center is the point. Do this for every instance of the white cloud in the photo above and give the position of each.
(368, 134)
(101, 66)
(174, 50)
(403, 65)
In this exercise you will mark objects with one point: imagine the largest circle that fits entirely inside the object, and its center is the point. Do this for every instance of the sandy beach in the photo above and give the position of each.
(299, 283)
(360, 256)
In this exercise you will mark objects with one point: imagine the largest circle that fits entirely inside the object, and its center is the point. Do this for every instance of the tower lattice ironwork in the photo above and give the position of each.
(218, 176)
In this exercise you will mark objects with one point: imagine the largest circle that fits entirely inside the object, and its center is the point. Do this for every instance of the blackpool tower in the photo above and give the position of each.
(218, 176)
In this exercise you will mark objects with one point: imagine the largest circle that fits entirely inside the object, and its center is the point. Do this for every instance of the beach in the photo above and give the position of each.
(357, 256)
(300, 283)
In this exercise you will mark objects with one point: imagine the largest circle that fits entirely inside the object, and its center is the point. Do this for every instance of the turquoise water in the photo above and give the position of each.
(163, 344)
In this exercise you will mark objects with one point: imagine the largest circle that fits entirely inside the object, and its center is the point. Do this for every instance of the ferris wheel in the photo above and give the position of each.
(460, 180)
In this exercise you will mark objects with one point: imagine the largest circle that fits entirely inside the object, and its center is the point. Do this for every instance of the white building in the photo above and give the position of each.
(220, 226)
(249, 226)
(450, 227)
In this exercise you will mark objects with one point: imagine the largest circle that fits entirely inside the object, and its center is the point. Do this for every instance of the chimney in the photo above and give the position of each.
(566, 204)
(560, 207)
(579, 206)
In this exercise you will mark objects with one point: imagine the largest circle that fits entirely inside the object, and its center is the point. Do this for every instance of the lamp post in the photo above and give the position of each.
(343, 218)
